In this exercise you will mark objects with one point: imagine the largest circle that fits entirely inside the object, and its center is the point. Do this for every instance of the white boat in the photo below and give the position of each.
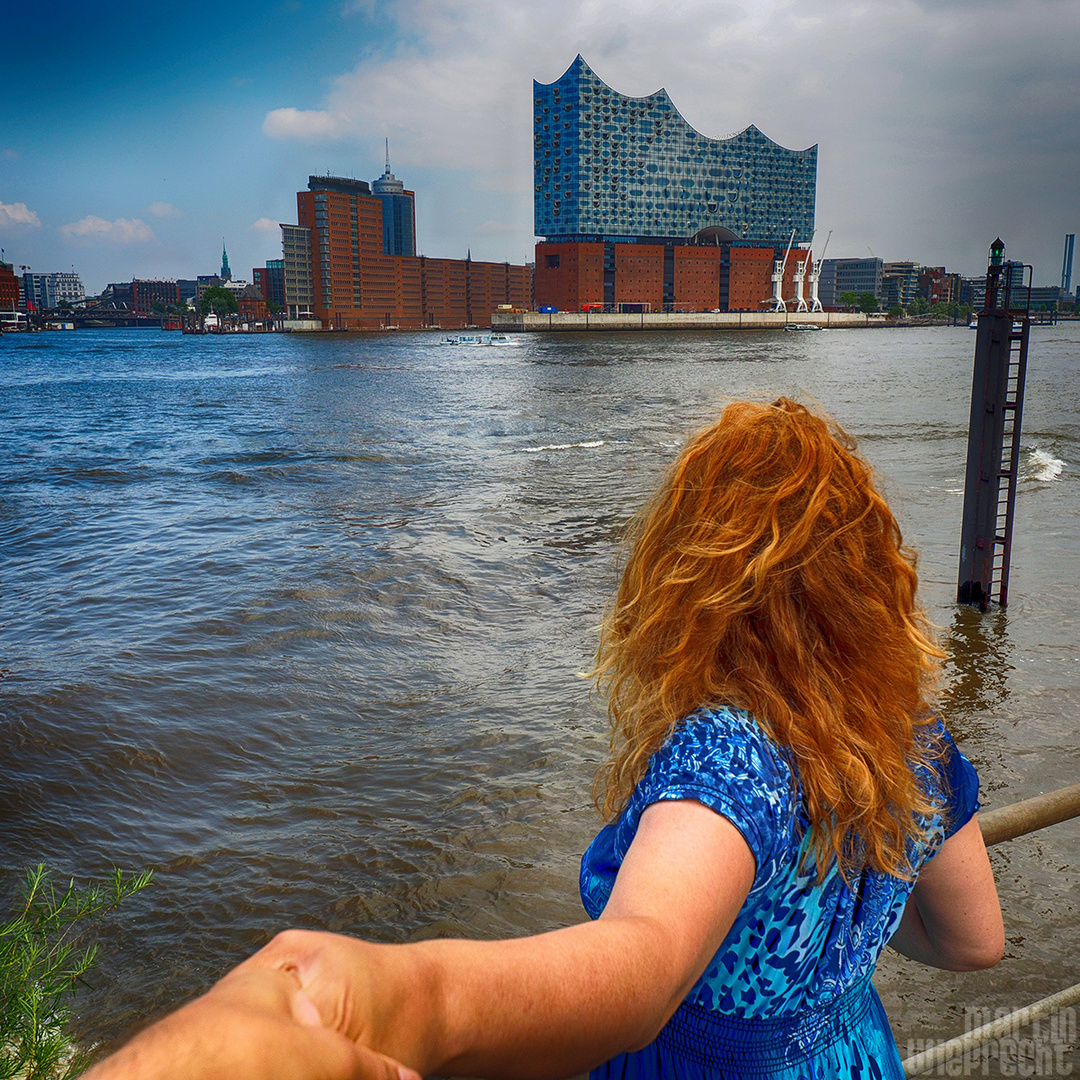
(802, 326)
(472, 339)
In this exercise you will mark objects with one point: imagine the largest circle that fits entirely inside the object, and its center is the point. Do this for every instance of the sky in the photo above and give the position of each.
(134, 142)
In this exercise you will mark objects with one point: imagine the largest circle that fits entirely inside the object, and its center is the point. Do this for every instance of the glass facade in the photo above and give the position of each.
(623, 169)
(399, 218)
(296, 270)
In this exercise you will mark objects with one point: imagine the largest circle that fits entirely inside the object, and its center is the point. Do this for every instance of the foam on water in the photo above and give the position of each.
(592, 445)
(1044, 466)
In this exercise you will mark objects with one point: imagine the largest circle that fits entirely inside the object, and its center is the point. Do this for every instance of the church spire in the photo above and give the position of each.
(226, 273)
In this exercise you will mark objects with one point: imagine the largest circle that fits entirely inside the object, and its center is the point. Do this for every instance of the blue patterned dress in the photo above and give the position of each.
(788, 995)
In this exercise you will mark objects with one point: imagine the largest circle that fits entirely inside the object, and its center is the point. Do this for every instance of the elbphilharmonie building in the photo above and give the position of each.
(612, 168)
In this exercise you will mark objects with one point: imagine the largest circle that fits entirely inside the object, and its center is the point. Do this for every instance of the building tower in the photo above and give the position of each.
(226, 273)
(398, 211)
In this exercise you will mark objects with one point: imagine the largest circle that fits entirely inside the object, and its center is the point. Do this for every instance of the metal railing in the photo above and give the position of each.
(1007, 823)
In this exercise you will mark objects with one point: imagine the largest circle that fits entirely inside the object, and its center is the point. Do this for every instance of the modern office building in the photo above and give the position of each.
(296, 271)
(271, 282)
(398, 212)
(337, 267)
(856, 276)
(631, 175)
(43, 291)
(899, 284)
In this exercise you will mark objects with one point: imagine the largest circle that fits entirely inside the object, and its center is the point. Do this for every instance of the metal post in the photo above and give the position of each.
(997, 395)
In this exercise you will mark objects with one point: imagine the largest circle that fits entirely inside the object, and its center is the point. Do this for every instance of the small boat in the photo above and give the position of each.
(802, 326)
(472, 339)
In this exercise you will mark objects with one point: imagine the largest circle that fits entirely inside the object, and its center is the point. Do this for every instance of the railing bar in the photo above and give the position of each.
(1003, 1027)
(1009, 822)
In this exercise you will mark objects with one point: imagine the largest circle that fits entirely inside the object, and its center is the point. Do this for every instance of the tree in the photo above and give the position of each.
(868, 302)
(896, 311)
(849, 300)
(219, 300)
(919, 306)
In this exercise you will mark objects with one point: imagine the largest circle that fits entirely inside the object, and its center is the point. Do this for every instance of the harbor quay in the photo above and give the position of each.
(524, 322)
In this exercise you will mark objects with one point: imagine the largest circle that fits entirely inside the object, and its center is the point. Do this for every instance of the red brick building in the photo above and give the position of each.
(357, 286)
(573, 276)
(145, 293)
(9, 287)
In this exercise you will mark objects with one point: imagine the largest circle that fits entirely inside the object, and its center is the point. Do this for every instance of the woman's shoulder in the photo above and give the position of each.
(727, 738)
(722, 756)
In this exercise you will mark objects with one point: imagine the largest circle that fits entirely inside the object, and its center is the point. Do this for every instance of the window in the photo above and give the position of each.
(553, 262)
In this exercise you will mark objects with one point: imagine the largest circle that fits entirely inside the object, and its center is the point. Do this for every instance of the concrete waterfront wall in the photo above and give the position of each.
(523, 322)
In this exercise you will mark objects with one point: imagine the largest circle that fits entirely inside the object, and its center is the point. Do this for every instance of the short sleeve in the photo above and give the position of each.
(724, 760)
(960, 786)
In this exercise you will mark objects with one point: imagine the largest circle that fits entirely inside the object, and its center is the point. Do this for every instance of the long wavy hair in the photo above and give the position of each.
(769, 574)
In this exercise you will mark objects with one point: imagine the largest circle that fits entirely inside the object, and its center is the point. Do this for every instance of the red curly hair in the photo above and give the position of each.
(769, 574)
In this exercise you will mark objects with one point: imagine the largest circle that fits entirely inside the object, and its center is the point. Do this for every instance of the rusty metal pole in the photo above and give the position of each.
(997, 388)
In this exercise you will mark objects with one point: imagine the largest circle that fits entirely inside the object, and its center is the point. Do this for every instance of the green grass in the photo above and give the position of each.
(44, 956)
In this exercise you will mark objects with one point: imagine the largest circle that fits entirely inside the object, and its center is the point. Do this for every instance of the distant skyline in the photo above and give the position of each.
(129, 146)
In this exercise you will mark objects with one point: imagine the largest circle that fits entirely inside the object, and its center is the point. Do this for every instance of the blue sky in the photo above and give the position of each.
(132, 142)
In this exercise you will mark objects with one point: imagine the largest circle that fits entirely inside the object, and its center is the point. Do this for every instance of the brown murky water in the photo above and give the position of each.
(298, 622)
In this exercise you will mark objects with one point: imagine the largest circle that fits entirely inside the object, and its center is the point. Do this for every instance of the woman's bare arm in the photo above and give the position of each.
(953, 918)
(550, 1005)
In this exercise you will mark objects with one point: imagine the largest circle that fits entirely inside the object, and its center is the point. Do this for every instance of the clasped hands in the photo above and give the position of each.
(299, 1009)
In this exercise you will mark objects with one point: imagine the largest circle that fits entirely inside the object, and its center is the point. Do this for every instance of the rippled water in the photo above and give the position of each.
(299, 621)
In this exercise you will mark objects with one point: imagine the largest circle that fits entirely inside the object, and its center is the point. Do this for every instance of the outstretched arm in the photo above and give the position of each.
(550, 1005)
(315, 1006)
(953, 918)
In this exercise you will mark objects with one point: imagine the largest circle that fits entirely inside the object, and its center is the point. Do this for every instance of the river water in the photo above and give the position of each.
(298, 621)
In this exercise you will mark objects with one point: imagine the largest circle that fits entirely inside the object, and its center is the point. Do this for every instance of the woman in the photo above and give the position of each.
(782, 804)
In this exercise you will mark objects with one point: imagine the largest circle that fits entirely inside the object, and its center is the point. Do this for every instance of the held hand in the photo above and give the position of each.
(255, 1024)
(335, 975)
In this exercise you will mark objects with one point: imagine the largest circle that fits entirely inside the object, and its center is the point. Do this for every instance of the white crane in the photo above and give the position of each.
(815, 277)
(799, 277)
(777, 299)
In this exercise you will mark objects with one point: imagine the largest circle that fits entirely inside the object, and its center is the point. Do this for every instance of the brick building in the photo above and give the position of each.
(9, 287)
(146, 293)
(336, 265)
(574, 276)
(638, 211)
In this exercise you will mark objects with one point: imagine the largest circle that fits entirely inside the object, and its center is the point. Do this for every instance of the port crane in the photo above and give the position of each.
(777, 299)
(815, 276)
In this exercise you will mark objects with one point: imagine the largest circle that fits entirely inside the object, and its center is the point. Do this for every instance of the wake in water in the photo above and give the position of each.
(1041, 465)
(564, 446)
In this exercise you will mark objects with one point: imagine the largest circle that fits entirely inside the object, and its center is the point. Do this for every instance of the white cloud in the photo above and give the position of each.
(939, 124)
(264, 224)
(164, 210)
(311, 124)
(18, 214)
(120, 231)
